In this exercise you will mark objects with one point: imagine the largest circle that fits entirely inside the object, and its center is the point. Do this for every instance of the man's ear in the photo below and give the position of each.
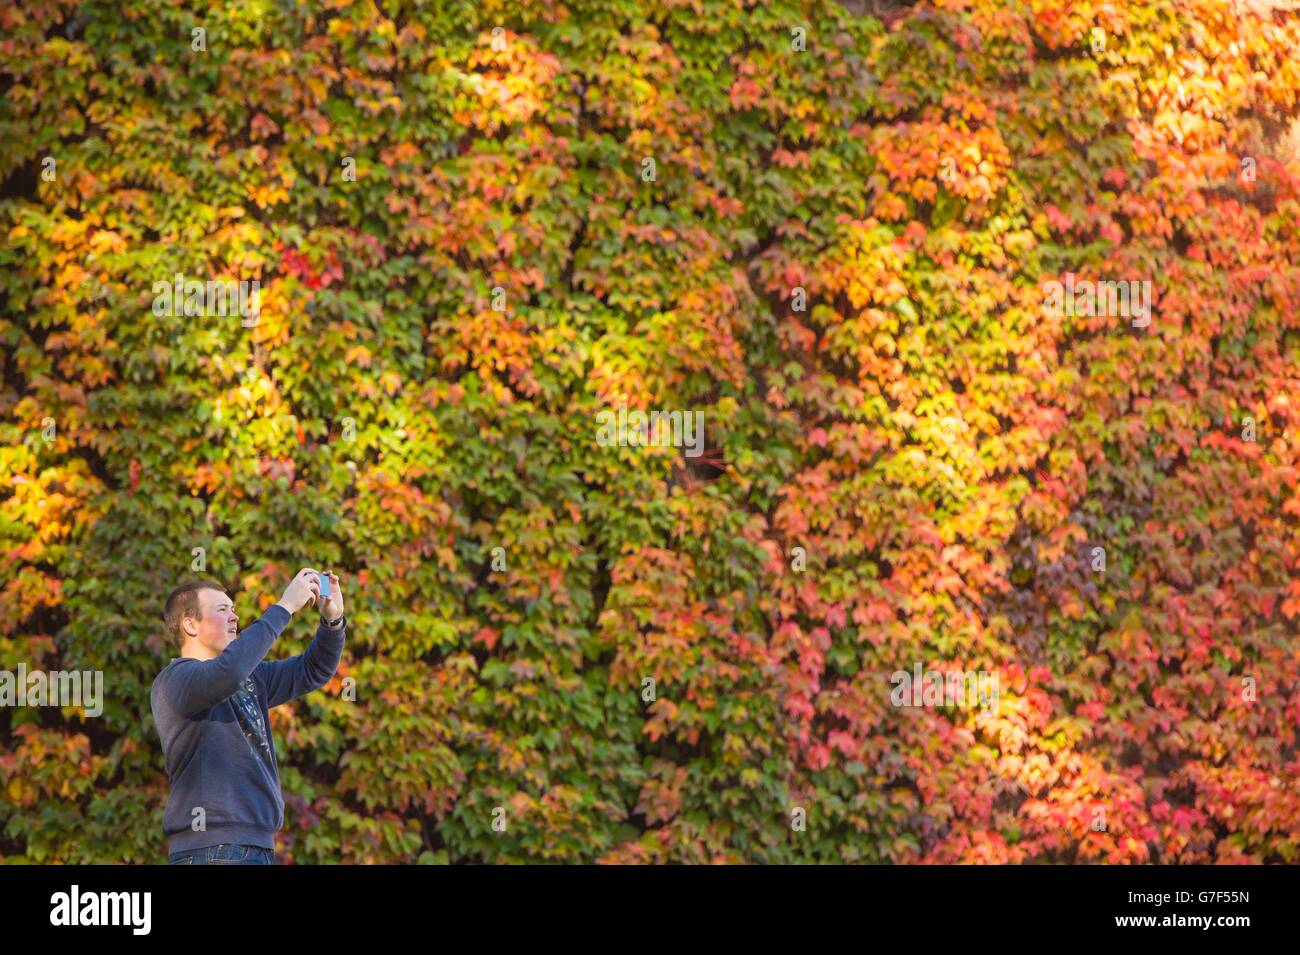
(189, 625)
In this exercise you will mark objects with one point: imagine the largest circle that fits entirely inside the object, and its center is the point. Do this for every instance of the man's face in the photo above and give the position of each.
(218, 623)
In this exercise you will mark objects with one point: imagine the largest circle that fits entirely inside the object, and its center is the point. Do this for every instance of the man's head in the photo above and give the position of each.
(201, 619)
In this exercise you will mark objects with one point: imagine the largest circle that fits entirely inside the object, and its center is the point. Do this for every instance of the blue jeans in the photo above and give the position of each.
(223, 854)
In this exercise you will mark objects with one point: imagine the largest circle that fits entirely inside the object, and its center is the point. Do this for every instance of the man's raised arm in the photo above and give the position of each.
(289, 679)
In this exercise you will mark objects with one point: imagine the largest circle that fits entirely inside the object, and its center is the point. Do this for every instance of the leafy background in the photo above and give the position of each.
(945, 453)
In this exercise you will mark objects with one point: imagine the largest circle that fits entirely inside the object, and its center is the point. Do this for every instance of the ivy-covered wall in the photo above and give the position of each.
(473, 234)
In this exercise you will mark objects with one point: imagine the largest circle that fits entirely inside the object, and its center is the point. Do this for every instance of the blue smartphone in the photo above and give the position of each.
(324, 587)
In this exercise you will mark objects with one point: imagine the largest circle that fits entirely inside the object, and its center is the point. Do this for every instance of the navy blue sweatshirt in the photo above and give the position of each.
(213, 719)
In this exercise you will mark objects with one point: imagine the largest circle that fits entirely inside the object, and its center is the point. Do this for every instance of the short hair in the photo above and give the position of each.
(184, 602)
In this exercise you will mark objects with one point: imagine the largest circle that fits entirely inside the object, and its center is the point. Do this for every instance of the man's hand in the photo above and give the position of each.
(302, 590)
(332, 608)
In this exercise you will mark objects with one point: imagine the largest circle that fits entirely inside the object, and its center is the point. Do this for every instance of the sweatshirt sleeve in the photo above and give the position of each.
(289, 679)
(201, 684)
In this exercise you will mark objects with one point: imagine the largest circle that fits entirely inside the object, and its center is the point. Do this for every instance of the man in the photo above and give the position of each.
(210, 706)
